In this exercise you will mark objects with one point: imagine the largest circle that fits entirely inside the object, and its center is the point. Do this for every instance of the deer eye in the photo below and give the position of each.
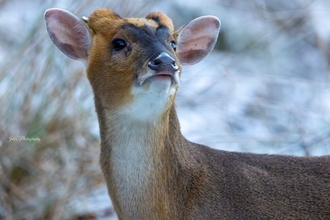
(118, 44)
(173, 45)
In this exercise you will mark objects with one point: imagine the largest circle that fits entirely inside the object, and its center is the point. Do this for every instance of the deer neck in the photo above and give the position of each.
(135, 157)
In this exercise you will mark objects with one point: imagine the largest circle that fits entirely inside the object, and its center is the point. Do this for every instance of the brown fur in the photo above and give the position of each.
(184, 180)
(161, 19)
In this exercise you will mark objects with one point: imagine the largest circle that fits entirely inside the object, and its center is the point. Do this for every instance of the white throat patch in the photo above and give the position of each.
(151, 99)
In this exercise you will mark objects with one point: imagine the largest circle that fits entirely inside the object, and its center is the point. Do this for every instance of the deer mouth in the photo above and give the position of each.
(163, 75)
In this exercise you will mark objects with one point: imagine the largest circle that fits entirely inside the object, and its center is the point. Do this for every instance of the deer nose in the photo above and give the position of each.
(163, 62)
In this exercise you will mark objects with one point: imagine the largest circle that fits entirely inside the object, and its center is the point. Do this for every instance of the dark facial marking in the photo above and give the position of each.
(152, 41)
(163, 33)
(139, 33)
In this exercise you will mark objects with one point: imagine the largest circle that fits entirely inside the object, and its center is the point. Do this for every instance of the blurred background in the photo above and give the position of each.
(264, 89)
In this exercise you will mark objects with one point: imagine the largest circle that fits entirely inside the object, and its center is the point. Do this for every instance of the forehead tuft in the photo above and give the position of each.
(141, 22)
(101, 18)
(161, 19)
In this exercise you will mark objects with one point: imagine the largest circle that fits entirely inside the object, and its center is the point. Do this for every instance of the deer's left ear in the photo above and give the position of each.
(197, 39)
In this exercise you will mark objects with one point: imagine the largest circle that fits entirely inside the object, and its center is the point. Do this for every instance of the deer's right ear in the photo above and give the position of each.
(68, 33)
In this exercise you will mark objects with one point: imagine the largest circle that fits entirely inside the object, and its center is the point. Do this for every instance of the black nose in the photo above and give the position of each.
(163, 62)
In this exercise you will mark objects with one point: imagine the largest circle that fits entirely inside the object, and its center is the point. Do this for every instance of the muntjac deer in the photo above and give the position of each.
(151, 170)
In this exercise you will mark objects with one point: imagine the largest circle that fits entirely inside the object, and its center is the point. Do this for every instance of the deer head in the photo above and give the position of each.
(133, 64)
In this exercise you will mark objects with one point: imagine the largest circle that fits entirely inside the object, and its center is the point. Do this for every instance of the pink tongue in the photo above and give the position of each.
(161, 76)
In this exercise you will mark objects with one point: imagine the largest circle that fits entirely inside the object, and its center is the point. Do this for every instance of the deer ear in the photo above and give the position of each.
(68, 33)
(197, 39)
